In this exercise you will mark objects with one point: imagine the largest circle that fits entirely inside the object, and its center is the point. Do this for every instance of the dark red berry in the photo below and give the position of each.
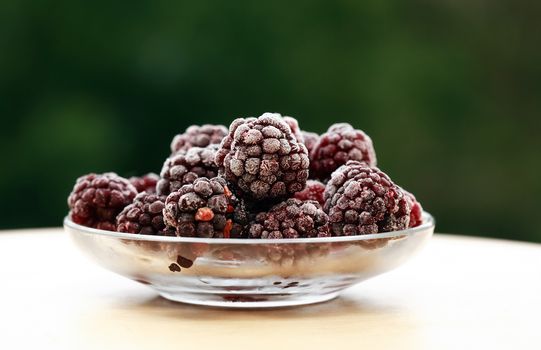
(313, 191)
(294, 126)
(198, 136)
(338, 145)
(185, 166)
(416, 215)
(362, 200)
(292, 218)
(144, 216)
(97, 199)
(262, 158)
(202, 209)
(310, 140)
(146, 183)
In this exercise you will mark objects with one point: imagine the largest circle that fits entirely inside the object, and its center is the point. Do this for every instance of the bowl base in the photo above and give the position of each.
(247, 300)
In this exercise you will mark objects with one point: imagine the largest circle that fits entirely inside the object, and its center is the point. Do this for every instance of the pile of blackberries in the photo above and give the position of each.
(262, 178)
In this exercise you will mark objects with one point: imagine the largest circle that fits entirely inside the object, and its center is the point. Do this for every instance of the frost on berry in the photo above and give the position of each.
(198, 136)
(292, 218)
(313, 191)
(339, 144)
(144, 216)
(262, 158)
(206, 208)
(294, 126)
(362, 200)
(146, 183)
(310, 140)
(185, 166)
(416, 216)
(97, 199)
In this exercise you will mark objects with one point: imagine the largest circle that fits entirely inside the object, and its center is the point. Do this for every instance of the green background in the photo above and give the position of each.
(448, 90)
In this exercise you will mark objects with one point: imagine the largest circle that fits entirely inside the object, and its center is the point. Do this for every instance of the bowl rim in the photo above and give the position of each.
(428, 222)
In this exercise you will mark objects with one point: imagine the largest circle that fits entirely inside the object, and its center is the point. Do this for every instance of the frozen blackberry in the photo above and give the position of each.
(146, 183)
(338, 145)
(206, 208)
(294, 126)
(313, 191)
(144, 216)
(198, 136)
(362, 200)
(292, 218)
(97, 199)
(310, 140)
(416, 215)
(262, 158)
(346, 172)
(185, 166)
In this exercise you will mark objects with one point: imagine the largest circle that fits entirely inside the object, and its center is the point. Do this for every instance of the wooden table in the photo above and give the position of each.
(458, 293)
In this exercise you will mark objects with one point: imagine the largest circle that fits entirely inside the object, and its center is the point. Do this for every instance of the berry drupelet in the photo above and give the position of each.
(313, 191)
(206, 208)
(97, 199)
(310, 140)
(185, 166)
(292, 218)
(198, 136)
(146, 183)
(346, 172)
(144, 216)
(339, 144)
(294, 126)
(362, 200)
(416, 215)
(262, 158)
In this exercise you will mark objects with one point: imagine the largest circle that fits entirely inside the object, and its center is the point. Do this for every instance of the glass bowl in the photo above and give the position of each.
(249, 272)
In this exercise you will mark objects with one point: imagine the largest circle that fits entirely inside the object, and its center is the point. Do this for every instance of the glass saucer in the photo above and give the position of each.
(249, 272)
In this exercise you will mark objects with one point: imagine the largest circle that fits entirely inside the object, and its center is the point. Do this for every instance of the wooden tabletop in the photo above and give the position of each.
(458, 293)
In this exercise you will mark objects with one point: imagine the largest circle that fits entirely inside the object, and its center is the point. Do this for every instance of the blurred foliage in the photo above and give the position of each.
(449, 91)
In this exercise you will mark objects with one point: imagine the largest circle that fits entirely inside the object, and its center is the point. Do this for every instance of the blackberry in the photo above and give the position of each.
(339, 144)
(262, 158)
(146, 183)
(313, 191)
(416, 215)
(294, 126)
(362, 200)
(206, 208)
(97, 199)
(185, 166)
(310, 140)
(198, 136)
(144, 216)
(292, 218)
(346, 172)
